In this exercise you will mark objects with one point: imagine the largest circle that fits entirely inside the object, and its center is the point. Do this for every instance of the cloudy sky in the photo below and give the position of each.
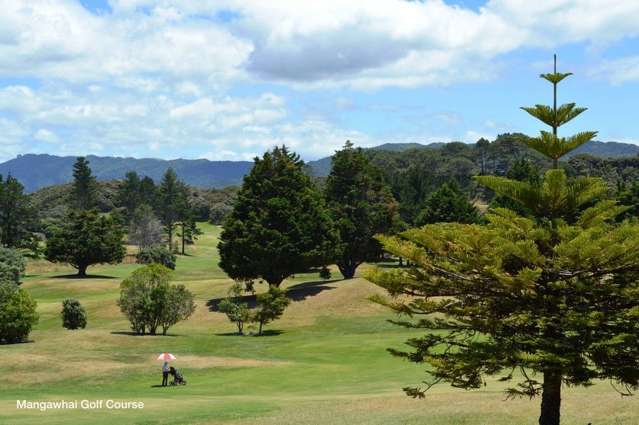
(227, 79)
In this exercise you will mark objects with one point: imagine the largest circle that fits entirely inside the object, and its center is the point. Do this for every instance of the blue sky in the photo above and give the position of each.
(228, 79)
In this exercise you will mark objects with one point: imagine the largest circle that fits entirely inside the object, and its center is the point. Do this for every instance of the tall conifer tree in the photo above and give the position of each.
(84, 190)
(548, 301)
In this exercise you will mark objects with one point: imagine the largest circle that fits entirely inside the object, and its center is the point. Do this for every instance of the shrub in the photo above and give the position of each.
(157, 255)
(12, 265)
(150, 302)
(180, 306)
(236, 311)
(270, 307)
(17, 313)
(73, 314)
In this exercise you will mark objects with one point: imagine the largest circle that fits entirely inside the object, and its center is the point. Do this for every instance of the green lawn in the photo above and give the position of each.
(325, 363)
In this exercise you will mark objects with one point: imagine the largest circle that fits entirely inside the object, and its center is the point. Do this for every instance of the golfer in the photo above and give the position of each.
(165, 374)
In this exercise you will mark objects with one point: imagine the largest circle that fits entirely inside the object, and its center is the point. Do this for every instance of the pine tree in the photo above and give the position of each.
(129, 196)
(171, 201)
(447, 204)
(361, 206)
(549, 300)
(17, 216)
(84, 190)
(279, 225)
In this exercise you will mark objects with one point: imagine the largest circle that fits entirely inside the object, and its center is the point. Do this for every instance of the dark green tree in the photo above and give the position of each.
(447, 204)
(483, 146)
(74, 316)
(84, 239)
(549, 300)
(17, 216)
(84, 190)
(361, 206)
(148, 191)
(279, 225)
(129, 194)
(172, 198)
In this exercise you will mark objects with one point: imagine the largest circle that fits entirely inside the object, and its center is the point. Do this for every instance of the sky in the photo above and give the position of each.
(229, 79)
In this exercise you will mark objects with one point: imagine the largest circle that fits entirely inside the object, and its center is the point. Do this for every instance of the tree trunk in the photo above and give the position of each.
(260, 331)
(274, 281)
(347, 270)
(550, 399)
(183, 238)
(82, 270)
(171, 238)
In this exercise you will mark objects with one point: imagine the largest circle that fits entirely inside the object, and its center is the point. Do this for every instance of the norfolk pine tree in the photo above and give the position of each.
(545, 301)
(84, 190)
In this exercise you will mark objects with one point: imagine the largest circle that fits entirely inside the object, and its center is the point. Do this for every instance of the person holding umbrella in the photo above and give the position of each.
(165, 367)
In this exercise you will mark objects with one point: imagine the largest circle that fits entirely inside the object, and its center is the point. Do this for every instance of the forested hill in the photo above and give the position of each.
(38, 171)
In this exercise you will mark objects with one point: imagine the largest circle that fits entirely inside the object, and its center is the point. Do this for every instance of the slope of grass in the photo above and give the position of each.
(323, 363)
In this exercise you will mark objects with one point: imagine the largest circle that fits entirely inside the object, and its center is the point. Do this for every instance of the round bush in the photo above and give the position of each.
(73, 314)
(17, 313)
(157, 255)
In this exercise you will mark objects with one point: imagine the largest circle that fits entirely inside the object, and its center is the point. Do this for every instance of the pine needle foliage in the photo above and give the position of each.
(541, 301)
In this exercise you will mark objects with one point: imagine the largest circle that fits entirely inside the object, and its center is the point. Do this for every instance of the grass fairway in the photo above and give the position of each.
(324, 362)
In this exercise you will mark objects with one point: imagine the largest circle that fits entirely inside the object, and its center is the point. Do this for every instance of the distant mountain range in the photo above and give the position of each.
(39, 170)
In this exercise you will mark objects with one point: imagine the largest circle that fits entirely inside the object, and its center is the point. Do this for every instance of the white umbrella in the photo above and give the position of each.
(166, 356)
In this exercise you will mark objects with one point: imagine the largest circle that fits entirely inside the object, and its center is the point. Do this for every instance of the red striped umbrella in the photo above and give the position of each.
(166, 356)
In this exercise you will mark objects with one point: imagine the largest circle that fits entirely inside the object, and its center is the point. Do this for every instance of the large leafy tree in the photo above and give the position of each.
(84, 189)
(17, 216)
(279, 225)
(84, 239)
(546, 300)
(361, 206)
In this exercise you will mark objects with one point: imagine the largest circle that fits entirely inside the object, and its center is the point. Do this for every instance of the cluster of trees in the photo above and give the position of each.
(85, 237)
(151, 302)
(282, 223)
(270, 307)
(545, 294)
(152, 210)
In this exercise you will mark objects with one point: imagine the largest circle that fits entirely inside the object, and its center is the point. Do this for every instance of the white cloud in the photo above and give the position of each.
(619, 71)
(47, 136)
(154, 76)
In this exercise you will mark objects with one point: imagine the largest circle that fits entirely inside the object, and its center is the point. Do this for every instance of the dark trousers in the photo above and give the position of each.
(165, 378)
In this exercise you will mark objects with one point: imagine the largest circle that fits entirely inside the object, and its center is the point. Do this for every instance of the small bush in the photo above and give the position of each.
(236, 311)
(17, 313)
(157, 255)
(12, 265)
(150, 302)
(73, 314)
(325, 273)
(270, 307)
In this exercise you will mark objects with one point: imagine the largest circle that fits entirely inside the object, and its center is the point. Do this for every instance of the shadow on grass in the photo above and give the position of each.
(87, 277)
(267, 332)
(29, 341)
(131, 333)
(295, 293)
